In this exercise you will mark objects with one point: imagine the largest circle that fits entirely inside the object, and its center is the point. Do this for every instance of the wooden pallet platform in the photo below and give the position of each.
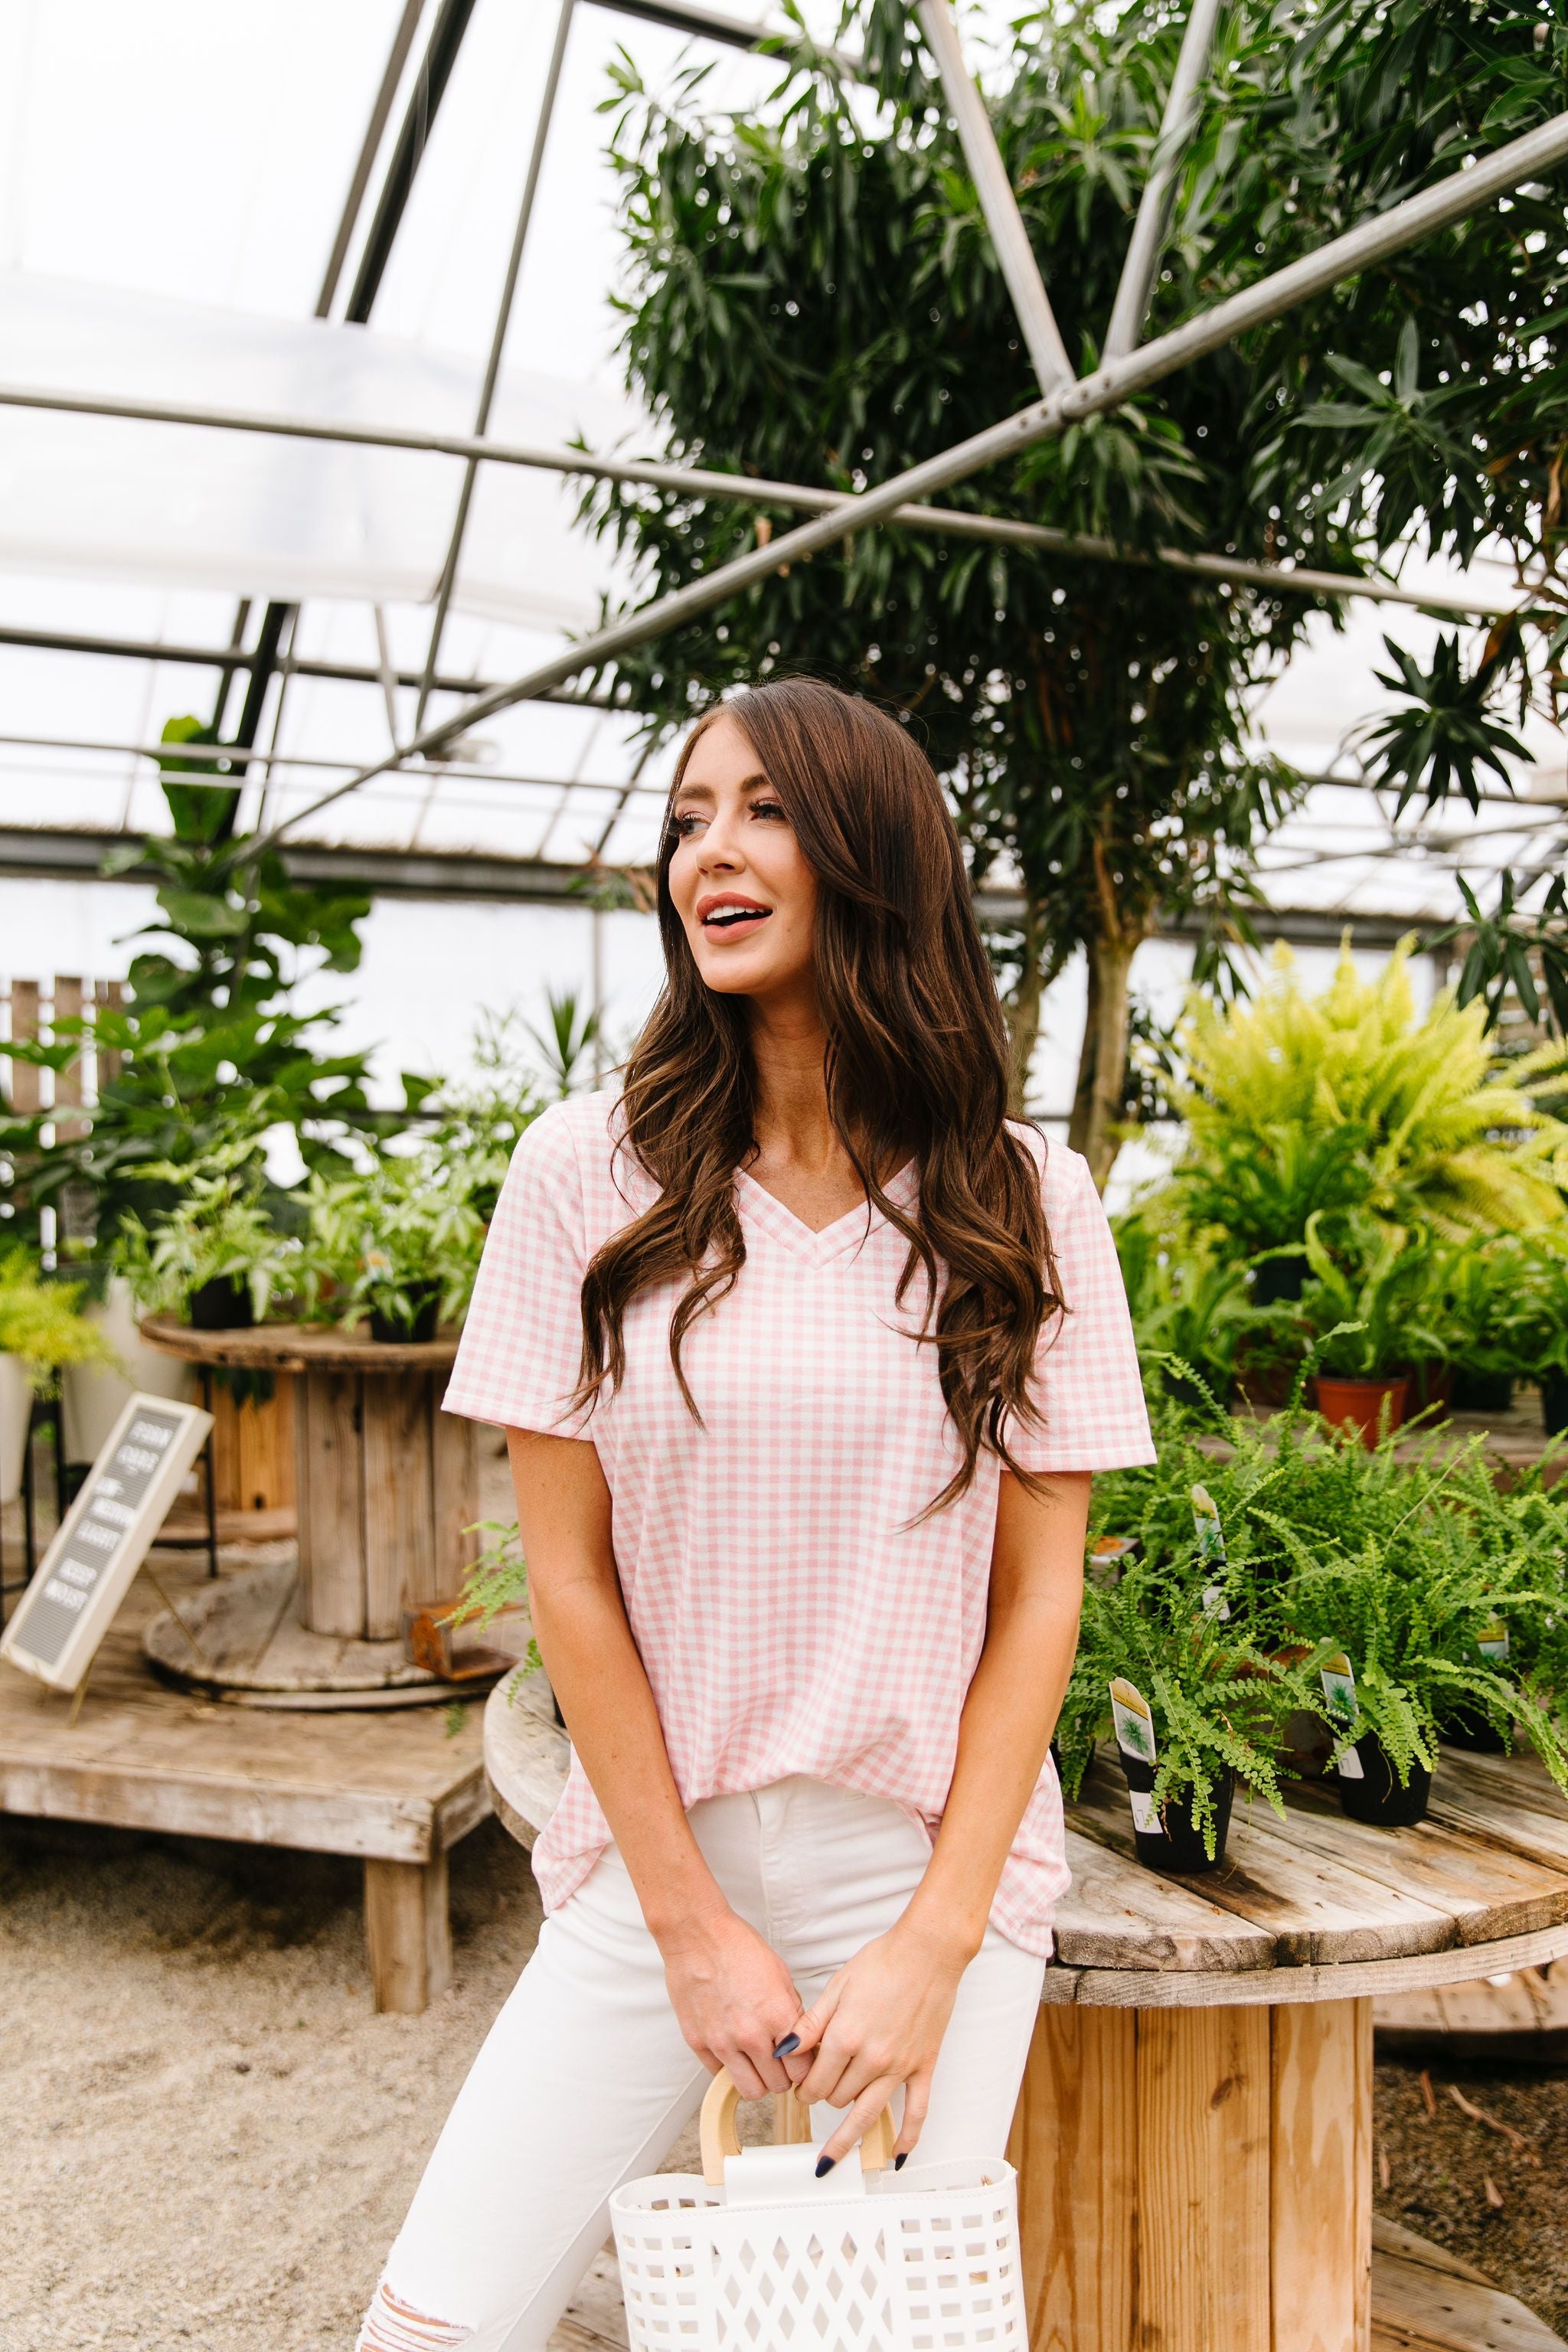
(1425, 2299)
(397, 1789)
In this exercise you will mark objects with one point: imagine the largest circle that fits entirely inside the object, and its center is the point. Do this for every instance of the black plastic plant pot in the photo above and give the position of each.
(424, 1300)
(1176, 1847)
(223, 1305)
(1554, 1403)
(1280, 1281)
(1377, 1796)
(1482, 1392)
(1468, 1729)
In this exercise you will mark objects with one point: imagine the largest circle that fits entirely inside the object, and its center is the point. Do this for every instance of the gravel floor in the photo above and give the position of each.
(1440, 2162)
(210, 2138)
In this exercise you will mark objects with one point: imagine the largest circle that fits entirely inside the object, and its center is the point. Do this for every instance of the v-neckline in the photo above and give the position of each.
(821, 1243)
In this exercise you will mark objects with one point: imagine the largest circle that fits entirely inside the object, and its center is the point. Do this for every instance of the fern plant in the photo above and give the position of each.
(1411, 1608)
(1218, 1701)
(1405, 1565)
(1445, 1135)
(497, 1580)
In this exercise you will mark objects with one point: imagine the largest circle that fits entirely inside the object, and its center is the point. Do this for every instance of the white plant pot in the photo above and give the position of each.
(16, 1409)
(95, 1397)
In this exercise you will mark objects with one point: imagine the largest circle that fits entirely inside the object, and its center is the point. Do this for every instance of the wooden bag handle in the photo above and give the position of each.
(792, 2127)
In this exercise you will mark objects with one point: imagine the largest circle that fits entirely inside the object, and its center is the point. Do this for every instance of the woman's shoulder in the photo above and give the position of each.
(580, 1145)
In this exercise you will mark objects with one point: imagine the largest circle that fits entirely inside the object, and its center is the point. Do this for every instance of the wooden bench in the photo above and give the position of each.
(395, 1788)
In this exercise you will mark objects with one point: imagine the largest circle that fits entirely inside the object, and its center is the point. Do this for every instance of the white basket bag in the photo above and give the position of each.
(758, 2255)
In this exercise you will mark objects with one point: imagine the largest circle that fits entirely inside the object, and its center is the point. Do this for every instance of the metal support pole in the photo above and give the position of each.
(691, 481)
(418, 121)
(492, 365)
(392, 74)
(1042, 337)
(210, 1482)
(1453, 198)
(435, 71)
(1137, 280)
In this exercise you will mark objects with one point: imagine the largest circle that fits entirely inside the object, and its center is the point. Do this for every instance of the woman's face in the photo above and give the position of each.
(739, 884)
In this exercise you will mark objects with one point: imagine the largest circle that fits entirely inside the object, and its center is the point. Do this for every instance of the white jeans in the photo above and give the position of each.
(585, 2081)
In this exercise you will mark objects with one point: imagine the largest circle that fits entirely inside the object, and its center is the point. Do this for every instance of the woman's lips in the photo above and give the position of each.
(730, 920)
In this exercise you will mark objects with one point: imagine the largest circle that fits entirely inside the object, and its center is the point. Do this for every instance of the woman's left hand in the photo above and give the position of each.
(878, 2023)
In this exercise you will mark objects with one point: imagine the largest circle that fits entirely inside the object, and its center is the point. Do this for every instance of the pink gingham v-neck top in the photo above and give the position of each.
(790, 1618)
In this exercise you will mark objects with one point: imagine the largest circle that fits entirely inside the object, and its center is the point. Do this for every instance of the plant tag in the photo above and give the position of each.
(1110, 1551)
(1145, 1819)
(1338, 1679)
(1134, 1721)
(1208, 1529)
(1215, 1602)
(1492, 1640)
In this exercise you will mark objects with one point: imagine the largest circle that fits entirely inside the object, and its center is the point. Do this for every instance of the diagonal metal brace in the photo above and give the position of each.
(1136, 283)
(1042, 336)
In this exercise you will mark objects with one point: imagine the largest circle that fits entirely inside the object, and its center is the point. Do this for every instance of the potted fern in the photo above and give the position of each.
(1403, 1623)
(1168, 1666)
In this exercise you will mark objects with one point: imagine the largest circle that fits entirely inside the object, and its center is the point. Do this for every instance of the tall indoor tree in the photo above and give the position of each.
(811, 295)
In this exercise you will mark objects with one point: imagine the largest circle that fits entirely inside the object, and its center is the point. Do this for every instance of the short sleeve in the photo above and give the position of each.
(521, 1353)
(1086, 1382)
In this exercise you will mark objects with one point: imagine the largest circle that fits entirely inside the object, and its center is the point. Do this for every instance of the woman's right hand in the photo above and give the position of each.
(734, 1998)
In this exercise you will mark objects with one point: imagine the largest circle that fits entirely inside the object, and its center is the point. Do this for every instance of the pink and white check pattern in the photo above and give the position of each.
(790, 1618)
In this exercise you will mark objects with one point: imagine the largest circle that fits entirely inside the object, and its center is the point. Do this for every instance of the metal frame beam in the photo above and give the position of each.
(1460, 192)
(1010, 239)
(290, 664)
(497, 344)
(1136, 283)
(731, 31)
(701, 483)
(68, 854)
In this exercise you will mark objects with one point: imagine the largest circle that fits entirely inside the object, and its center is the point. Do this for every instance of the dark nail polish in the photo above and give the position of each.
(825, 2164)
(899, 2161)
(791, 2041)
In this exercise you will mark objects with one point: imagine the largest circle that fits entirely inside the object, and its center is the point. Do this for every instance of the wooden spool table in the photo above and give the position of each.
(1193, 2137)
(387, 1483)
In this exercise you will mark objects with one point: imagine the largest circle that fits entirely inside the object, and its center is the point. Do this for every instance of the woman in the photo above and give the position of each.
(805, 1355)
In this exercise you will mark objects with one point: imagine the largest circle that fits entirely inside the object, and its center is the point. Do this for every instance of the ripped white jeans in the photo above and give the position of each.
(585, 2081)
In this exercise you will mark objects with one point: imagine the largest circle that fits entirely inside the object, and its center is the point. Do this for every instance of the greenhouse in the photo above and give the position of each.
(895, 669)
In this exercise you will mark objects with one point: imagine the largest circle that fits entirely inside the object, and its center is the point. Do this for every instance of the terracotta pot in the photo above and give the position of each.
(1359, 1404)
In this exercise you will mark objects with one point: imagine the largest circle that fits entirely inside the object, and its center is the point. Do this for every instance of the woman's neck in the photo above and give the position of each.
(789, 1048)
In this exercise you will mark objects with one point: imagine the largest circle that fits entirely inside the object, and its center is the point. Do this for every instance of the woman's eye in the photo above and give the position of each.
(768, 809)
(683, 826)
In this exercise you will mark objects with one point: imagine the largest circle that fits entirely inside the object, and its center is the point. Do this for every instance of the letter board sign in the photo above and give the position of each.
(85, 1573)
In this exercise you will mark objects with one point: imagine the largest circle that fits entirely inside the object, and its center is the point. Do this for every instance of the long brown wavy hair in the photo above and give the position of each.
(915, 1067)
